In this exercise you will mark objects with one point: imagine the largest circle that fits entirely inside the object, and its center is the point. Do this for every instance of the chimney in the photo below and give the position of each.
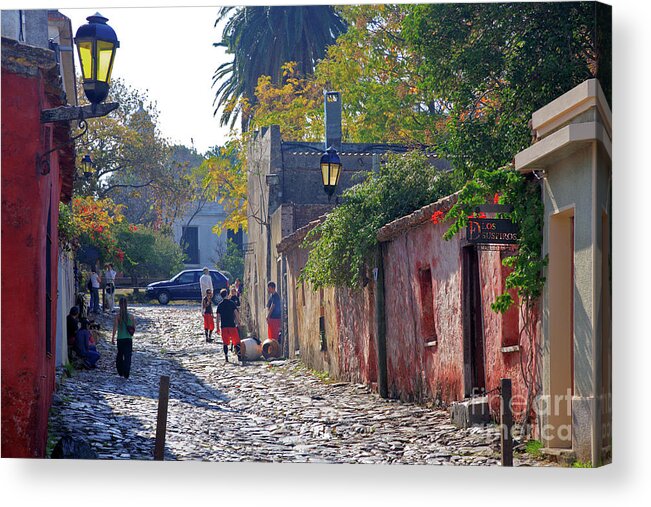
(332, 104)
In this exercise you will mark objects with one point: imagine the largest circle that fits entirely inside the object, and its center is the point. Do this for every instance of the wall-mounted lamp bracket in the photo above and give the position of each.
(66, 114)
(70, 113)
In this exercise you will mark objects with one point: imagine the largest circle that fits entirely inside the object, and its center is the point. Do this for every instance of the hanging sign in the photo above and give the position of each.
(496, 231)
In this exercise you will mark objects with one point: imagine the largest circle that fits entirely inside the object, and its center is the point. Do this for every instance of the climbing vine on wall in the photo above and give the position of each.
(507, 186)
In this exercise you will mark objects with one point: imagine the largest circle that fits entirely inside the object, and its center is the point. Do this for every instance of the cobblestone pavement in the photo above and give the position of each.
(258, 411)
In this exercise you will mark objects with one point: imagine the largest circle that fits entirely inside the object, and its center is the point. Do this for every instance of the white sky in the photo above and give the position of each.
(168, 52)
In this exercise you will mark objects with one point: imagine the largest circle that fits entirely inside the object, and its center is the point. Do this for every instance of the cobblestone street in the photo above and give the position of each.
(258, 411)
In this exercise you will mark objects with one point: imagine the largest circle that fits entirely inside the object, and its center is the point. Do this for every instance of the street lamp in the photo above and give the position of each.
(96, 43)
(87, 166)
(330, 171)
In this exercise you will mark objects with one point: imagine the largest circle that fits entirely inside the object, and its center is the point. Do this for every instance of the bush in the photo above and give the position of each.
(533, 447)
(345, 242)
(149, 253)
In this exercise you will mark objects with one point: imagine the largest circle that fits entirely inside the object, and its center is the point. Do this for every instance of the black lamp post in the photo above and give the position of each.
(330, 171)
(87, 166)
(96, 43)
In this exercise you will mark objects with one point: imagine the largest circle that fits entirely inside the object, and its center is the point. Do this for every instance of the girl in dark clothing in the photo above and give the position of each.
(208, 319)
(125, 326)
(235, 297)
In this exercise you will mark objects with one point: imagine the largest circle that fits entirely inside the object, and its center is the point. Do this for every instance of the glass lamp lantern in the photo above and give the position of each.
(87, 166)
(330, 171)
(96, 44)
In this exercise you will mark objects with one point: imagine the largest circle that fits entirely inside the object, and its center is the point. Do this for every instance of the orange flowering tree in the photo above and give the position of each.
(91, 223)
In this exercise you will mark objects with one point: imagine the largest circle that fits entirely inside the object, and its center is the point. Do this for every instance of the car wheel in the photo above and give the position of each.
(163, 298)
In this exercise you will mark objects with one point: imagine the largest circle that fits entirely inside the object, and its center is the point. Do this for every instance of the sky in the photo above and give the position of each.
(168, 51)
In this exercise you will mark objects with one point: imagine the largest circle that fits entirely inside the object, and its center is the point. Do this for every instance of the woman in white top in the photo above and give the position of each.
(109, 277)
(206, 282)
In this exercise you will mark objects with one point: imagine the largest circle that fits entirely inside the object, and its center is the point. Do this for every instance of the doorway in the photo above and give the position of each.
(473, 331)
(190, 244)
(560, 329)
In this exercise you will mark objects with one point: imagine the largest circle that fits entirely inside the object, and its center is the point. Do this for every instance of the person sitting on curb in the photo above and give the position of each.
(72, 325)
(83, 347)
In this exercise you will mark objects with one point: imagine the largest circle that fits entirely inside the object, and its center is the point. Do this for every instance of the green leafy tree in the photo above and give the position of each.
(496, 63)
(261, 40)
(148, 252)
(232, 260)
(378, 75)
(134, 165)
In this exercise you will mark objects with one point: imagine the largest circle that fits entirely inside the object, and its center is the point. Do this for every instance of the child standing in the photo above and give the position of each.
(208, 319)
(228, 320)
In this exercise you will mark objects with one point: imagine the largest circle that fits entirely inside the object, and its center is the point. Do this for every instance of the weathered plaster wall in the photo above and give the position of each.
(502, 333)
(264, 158)
(574, 171)
(424, 319)
(27, 371)
(349, 325)
(417, 371)
(603, 305)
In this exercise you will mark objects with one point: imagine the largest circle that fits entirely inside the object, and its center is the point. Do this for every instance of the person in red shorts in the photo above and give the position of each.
(227, 320)
(273, 312)
(208, 320)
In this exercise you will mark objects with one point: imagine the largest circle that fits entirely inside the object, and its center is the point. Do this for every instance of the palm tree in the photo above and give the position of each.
(261, 40)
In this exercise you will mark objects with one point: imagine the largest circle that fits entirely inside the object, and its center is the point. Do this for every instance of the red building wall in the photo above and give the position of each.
(349, 325)
(416, 371)
(424, 314)
(356, 330)
(28, 372)
(424, 304)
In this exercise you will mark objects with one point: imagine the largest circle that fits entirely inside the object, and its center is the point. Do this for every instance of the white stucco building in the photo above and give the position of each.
(203, 246)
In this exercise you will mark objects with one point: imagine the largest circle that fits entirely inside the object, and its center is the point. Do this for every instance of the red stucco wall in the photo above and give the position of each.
(417, 372)
(500, 330)
(27, 372)
(355, 310)
(423, 276)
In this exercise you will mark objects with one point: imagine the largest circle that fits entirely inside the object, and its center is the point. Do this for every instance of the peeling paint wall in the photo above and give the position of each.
(417, 371)
(348, 324)
(424, 321)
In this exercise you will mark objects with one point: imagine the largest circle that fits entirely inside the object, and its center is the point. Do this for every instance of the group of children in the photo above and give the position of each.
(227, 314)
